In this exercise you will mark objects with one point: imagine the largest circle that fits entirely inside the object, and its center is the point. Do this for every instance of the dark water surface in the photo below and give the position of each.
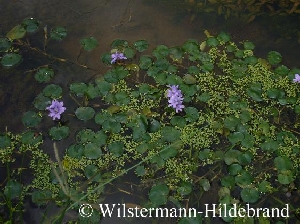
(158, 22)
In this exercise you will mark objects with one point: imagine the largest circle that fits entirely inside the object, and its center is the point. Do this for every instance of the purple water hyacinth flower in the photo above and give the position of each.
(297, 78)
(117, 56)
(56, 109)
(175, 98)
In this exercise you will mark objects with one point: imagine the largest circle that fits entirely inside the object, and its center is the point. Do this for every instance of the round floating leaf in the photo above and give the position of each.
(122, 98)
(89, 43)
(191, 47)
(212, 42)
(31, 25)
(103, 86)
(92, 151)
(85, 136)
(145, 62)
(270, 145)
(41, 102)
(231, 122)
(84, 113)
(248, 45)
(58, 33)
(118, 43)
(189, 79)
(170, 134)
(141, 45)
(264, 186)
(13, 189)
(116, 148)
(176, 53)
(234, 169)
(44, 74)
(78, 88)
(243, 179)
(161, 51)
(142, 148)
(31, 119)
(129, 52)
(286, 177)
(282, 70)
(41, 197)
(75, 151)
(31, 138)
(228, 181)
(283, 163)
(11, 59)
(53, 91)
(59, 133)
(92, 171)
(274, 57)
(192, 114)
(236, 137)
(158, 194)
(154, 126)
(255, 91)
(231, 156)
(249, 195)
(169, 151)
(178, 121)
(4, 141)
(140, 170)
(106, 58)
(16, 33)
(204, 183)
(185, 188)
(5, 44)
(224, 37)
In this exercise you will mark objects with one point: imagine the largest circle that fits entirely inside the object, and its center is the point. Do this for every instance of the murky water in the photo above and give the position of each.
(159, 22)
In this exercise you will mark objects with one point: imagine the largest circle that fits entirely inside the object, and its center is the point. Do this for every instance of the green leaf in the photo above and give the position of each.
(204, 183)
(228, 181)
(142, 147)
(13, 189)
(255, 91)
(75, 151)
(204, 97)
(192, 114)
(116, 148)
(243, 179)
(140, 170)
(270, 145)
(286, 177)
(178, 121)
(231, 156)
(11, 59)
(234, 169)
(176, 53)
(31, 119)
(169, 151)
(31, 138)
(191, 47)
(59, 133)
(236, 137)
(89, 43)
(141, 45)
(248, 45)
(41, 102)
(275, 93)
(189, 79)
(231, 122)
(103, 86)
(249, 195)
(225, 37)
(85, 113)
(41, 197)
(212, 42)
(31, 25)
(283, 163)
(17, 32)
(158, 194)
(119, 44)
(92, 173)
(145, 62)
(5, 44)
(122, 98)
(5, 141)
(264, 186)
(282, 70)
(170, 134)
(160, 51)
(78, 88)
(185, 188)
(274, 57)
(58, 33)
(53, 91)
(92, 151)
(129, 52)
(154, 126)
(44, 74)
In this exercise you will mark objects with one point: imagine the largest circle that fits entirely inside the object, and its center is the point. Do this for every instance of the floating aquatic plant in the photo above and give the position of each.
(56, 109)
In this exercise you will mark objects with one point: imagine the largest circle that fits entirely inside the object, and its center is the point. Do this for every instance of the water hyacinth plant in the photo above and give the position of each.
(227, 127)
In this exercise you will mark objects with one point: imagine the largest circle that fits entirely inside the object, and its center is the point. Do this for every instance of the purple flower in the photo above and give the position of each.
(297, 78)
(117, 56)
(175, 98)
(56, 109)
